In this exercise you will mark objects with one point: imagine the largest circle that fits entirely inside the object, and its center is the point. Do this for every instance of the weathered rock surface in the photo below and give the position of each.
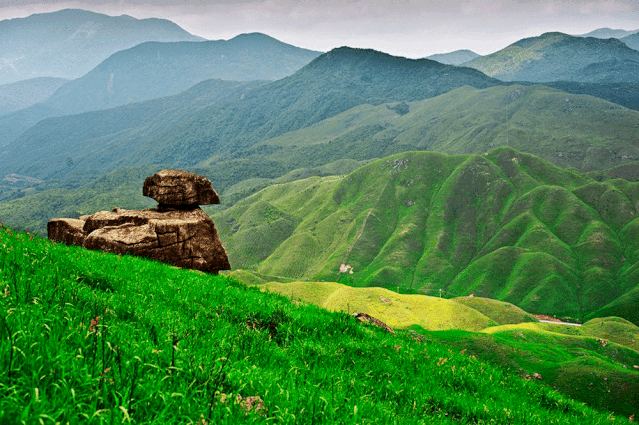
(183, 237)
(365, 317)
(176, 187)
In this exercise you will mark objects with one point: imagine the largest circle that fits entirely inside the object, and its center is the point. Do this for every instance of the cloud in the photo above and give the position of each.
(405, 27)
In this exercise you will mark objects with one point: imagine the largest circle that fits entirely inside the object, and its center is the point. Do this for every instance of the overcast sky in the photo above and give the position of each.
(409, 28)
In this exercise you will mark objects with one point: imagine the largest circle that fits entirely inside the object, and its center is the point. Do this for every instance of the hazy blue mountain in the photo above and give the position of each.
(632, 41)
(454, 58)
(561, 57)
(15, 123)
(22, 94)
(71, 42)
(332, 83)
(608, 33)
(153, 70)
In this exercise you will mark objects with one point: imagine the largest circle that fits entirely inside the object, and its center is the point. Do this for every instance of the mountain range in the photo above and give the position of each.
(71, 42)
(330, 84)
(152, 70)
(348, 105)
(632, 41)
(561, 57)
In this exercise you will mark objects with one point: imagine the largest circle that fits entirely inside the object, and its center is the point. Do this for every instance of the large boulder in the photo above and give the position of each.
(176, 187)
(185, 237)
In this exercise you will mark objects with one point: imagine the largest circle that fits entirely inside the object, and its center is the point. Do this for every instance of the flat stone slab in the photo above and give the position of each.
(183, 237)
(176, 187)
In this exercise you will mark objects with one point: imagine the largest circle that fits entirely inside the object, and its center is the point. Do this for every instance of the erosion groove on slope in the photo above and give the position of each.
(503, 225)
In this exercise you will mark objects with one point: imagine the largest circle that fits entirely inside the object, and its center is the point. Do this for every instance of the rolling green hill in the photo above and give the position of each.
(153, 70)
(93, 337)
(504, 225)
(69, 43)
(594, 363)
(561, 57)
(624, 94)
(583, 132)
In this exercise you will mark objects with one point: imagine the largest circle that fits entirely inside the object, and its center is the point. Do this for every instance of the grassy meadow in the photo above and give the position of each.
(596, 363)
(88, 337)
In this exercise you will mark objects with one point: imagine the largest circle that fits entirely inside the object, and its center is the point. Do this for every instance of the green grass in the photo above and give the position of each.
(88, 337)
(396, 310)
(504, 225)
(499, 312)
(590, 368)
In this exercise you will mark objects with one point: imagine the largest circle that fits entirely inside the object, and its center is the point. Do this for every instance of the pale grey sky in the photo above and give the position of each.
(409, 28)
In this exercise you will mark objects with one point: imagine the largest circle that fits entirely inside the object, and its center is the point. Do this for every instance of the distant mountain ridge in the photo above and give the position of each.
(632, 41)
(457, 57)
(22, 94)
(561, 57)
(70, 42)
(332, 83)
(608, 33)
(152, 70)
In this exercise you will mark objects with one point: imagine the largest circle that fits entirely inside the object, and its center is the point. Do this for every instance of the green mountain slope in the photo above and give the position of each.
(571, 131)
(137, 121)
(624, 94)
(69, 43)
(153, 70)
(594, 363)
(93, 337)
(332, 83)
(504, 225)
(560, 57)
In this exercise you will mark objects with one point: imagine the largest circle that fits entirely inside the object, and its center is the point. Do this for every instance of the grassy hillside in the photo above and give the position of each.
(88, 337)
(396, 310)
(624, 94)
(577, 361)
(594, 363)
(504, 225)
(583, 132)
(561, 57)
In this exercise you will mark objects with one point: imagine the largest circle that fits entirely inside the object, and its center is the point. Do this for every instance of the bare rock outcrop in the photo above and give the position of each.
(180, 234)
(176, 187)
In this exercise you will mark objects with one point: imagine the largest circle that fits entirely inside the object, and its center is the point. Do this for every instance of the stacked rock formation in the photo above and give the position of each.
(176, 232)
